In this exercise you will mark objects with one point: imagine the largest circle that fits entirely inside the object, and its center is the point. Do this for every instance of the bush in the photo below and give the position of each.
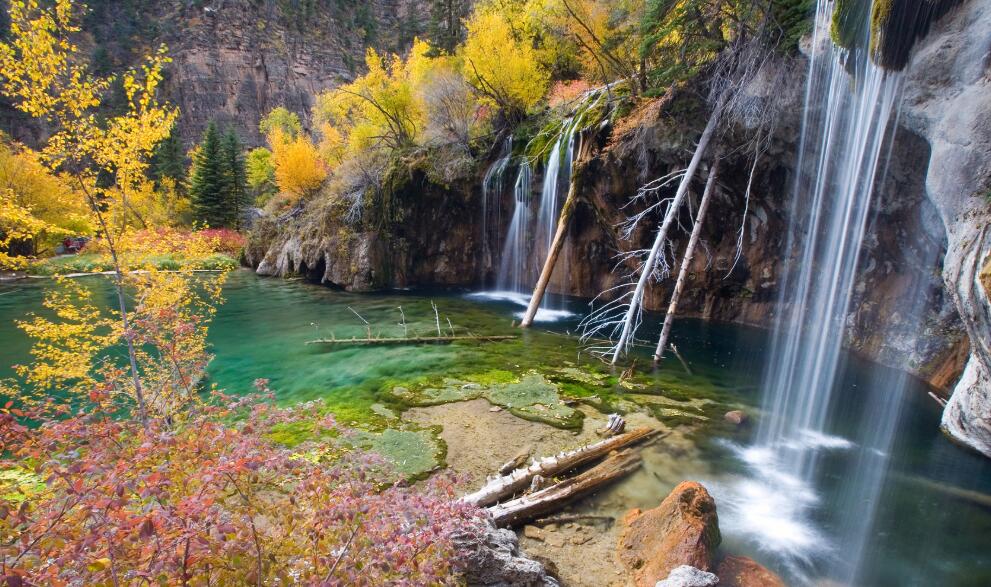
(215, 502)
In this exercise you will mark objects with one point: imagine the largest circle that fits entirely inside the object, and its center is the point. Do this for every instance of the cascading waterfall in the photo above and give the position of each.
(492, 190)
(849, 105)
(530, 232)
(512, 265)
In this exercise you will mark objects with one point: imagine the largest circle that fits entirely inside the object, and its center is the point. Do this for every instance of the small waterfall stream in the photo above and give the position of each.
(513, 263)
(850, 104)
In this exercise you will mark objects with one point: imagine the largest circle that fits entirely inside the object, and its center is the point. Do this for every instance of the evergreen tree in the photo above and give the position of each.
(208, 185)
(170, 161)
(235, 178)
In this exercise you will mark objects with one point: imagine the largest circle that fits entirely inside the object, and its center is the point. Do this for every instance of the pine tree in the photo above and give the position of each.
(170, 161)
(208, 185)
(235, 178)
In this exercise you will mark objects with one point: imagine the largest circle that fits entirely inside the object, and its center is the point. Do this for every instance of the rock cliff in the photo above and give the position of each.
(948, 101)
(234, 60)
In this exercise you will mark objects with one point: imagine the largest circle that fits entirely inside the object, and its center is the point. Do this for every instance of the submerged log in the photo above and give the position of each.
(411, 340)
(520, 479)
(535, 504)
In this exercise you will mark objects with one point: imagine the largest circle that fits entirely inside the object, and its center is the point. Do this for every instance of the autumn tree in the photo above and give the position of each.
(500, 61)
(299, 171)
(380, 108)
(282, 121)
(46, 76)
(37, 207)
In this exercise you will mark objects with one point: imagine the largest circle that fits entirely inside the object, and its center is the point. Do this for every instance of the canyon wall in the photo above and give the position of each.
(234, 60)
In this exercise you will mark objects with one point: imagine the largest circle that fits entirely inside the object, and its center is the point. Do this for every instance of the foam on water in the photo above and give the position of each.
(521, 299)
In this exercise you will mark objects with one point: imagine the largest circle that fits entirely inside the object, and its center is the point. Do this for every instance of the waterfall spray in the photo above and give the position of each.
(849, 106)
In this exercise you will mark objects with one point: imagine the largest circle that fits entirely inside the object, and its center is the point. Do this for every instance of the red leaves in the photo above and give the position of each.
(204, 498)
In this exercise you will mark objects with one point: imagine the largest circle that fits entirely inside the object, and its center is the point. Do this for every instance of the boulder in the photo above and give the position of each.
(736, 417)
(740, 571)
(686, 576)
(492, 558)
(683, 530)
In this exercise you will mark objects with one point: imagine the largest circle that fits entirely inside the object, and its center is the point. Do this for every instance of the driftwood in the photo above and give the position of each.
(516, 462)
(410, 340)
(548, 467)
(530, 506)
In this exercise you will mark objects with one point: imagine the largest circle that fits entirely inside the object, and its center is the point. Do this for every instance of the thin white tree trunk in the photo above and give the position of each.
(662, 232)
(686, 262)
(545, 275)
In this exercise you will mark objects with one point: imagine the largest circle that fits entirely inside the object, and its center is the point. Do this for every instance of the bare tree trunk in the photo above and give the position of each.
(686, 261)
(548, 467)
(556, 245)
(557, 495)
(662, 232)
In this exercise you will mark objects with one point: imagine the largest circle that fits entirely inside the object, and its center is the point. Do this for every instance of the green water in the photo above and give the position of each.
(928, 530)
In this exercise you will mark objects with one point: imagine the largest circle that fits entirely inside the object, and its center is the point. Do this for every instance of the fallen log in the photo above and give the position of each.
(530, 506)
(411, 340)
(548, 467)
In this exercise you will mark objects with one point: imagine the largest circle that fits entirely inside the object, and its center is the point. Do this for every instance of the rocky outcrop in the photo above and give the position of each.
(435, 243)
(683, 530)
(947, 100)
(493, 559)
(740, 571)
(686, 576)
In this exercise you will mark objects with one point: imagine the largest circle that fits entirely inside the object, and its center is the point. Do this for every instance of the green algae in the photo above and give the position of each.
(531, 396)
(414, 453)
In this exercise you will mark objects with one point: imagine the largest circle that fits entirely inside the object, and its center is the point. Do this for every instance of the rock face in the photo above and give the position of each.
(494, 560)
(740, 571)
(947, 101)
(686, 576)
(234, 60)
(683, 530)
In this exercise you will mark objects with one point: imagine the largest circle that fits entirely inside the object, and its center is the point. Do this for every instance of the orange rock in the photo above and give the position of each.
(740, 571)
(683, 530)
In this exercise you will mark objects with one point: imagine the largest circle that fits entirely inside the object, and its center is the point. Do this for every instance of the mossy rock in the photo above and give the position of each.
(531, 396)
(413, 453)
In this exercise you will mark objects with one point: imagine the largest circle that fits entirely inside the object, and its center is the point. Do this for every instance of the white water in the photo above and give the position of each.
(529, 236)
(513, 263)
(849, 104)
(492, 190)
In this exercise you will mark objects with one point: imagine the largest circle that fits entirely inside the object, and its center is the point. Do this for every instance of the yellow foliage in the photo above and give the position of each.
(35, 204)
(66, 348)
(380, 108)
(298, 168)
(46, 76)
(501, 62)
(605, 33)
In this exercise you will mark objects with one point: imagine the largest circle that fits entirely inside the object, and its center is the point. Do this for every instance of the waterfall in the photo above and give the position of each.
(849, 105)
(513, 264)
(492, 190)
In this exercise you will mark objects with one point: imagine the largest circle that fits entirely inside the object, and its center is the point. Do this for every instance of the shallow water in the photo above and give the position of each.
(929, 530)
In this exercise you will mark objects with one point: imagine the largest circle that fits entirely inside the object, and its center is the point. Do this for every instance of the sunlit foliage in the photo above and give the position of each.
(501, 63)
(37, 208)
(299, 169)
(605, 35)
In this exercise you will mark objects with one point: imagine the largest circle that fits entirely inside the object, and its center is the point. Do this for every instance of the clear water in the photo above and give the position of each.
(928, 530)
